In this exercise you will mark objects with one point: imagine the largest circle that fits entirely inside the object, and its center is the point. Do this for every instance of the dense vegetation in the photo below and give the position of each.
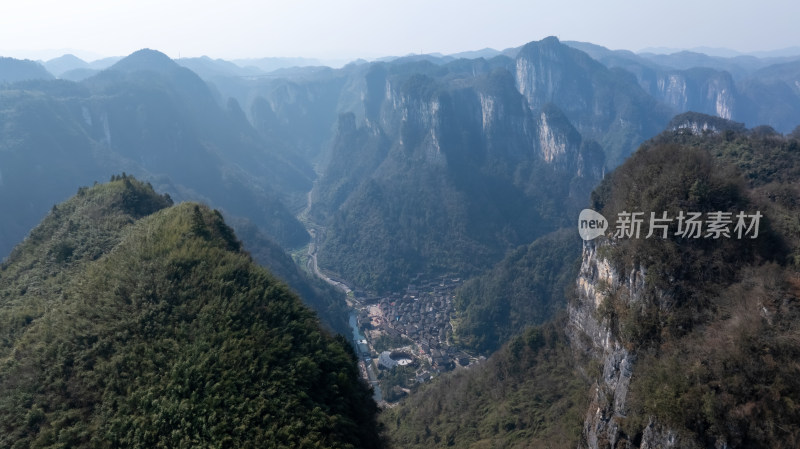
(526, 288)
(716, 331)
(128, 324)
(394, 382)
(325, 299)
(434, 189)
(528, 394)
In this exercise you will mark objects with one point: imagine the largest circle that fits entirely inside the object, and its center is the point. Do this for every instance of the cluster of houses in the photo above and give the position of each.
(422, 314)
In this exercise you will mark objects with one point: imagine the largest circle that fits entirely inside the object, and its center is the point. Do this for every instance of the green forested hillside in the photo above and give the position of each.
(127, 323)
(325, 299)
(73, 235)
(713, 329)
(716, 329)
(526, 288)
(528, 394)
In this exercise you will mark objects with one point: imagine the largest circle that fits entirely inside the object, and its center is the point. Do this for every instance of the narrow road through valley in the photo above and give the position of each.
(317, 233)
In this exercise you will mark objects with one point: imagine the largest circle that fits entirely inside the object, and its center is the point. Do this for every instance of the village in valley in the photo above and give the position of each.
(402, 339)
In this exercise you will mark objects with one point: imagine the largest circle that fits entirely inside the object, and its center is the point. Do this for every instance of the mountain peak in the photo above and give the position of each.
(113, 303)
(550, 40)
(122, 201)
(67, 57)
(13, 70)
(145, 59)
(547, 46)
(64, 63)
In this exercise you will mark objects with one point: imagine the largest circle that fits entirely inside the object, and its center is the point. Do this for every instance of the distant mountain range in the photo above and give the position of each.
(496, 147)
(682, 58)
(148, 116)
(725, 52)
(15, 70)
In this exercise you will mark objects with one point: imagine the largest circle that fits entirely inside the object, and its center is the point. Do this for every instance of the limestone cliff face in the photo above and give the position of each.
(561, 146)
(460, 145)
(599, 103)
(701, 90)
(423, 116)
(420, 122)
(540, 76)
(656, 436)
(672, 88)
(592, 334)
(553, 144)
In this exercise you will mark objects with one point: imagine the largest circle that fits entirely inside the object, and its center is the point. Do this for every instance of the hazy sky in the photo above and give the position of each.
(355, 28)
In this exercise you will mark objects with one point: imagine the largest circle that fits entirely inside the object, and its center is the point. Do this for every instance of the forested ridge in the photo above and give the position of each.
(713, 331)
(130, 323)
(526, 288)
(530, 393)
(716, 330)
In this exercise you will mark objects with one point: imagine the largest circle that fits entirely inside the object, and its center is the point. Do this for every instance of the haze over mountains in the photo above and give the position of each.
(422, 164)
(402, 170)
(458, 146)
(153, 118)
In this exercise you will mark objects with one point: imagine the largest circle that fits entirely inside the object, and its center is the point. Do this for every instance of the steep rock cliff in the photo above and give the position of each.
(590, 333)
(701, 90)
(602, 104)
(685, 331)
(448, 169)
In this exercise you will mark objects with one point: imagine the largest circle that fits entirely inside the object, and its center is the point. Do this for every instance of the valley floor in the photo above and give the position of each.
(415, 323)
